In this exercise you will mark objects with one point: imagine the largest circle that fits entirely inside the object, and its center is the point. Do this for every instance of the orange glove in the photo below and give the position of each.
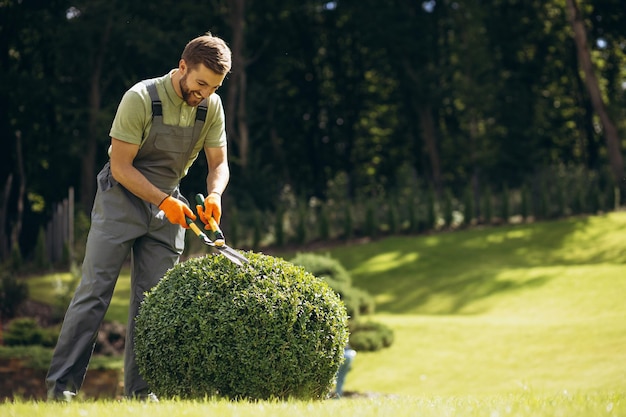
(175, 211)
(212, 208)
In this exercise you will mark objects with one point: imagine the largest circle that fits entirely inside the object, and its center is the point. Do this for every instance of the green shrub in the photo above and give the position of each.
(12, 294)
(265, 330)
(26, 332)
(370, 336)
(323, 266)
(330, 270)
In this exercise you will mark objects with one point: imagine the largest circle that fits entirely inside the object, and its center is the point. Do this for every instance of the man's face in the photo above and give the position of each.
(198, 83)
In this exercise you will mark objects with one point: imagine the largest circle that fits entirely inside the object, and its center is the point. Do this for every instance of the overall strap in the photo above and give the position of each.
(157, 107)
(200, 119)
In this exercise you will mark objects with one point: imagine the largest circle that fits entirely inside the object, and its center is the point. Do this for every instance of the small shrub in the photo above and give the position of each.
(12, 294)
(26, 332)
(370, 336)
(323, 266)
(265, 330)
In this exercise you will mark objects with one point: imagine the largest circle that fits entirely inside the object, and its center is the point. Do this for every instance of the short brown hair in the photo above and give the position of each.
(210, 51)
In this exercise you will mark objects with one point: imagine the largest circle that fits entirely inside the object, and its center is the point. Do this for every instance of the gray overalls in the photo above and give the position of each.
(121, 223)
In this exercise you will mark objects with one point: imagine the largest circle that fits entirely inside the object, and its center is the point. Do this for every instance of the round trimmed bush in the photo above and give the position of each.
(266, 330)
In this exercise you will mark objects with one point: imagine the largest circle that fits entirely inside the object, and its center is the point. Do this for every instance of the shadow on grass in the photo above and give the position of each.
(444, 273)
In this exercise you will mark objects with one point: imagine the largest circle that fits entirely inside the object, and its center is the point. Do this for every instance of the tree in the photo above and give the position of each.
(611, 133)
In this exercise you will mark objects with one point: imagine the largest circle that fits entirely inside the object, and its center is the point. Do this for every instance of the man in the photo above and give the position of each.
(159, 129)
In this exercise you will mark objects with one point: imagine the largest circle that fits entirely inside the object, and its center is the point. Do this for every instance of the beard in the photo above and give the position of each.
(189, 96)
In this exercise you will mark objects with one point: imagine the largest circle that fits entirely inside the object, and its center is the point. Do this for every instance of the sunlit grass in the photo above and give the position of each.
(51, 289)
(523, 405)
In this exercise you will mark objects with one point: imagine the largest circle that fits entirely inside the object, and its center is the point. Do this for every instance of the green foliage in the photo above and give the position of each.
(412, 219)
(323, 224)
(26, 332)
(468, 206)
(348, 222)
(370, 336)
(41, 257)
(392, 219)
(257, 229)
(12, 294)
(505, 205)
(357, 301)
(234, 227)
(301, 229)
(279, 226)
(526, 205)
(265, 330)
(447, 208)
(431, 210)
(34, 356)
(17, 262)
(365, 335)
(324, 267)
(487, 206)
(371, 220)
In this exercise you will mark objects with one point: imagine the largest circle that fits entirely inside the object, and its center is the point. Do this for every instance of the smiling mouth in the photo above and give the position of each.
(198, 95)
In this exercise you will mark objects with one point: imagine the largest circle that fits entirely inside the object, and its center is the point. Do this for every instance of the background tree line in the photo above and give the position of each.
(331, 105)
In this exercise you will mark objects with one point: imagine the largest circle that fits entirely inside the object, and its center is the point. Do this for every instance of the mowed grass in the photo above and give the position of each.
(467, 406)
(520, 320)
(528, 308)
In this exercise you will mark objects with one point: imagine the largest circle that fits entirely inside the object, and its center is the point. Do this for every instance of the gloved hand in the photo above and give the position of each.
(212, 208)
(175, 211)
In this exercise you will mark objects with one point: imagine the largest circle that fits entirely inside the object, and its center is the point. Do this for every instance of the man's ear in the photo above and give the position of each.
(182, 66)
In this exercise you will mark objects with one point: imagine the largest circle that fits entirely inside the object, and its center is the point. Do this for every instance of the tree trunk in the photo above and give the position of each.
(4, 238)
(17, 227)
(611, 134)
(236, 119)
(429, 136)
(88, 163)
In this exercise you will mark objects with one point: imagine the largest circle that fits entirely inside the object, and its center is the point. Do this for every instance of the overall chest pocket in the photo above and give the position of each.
(175, 140)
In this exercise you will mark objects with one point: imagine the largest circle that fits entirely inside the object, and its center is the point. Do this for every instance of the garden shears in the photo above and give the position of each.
(219, 242)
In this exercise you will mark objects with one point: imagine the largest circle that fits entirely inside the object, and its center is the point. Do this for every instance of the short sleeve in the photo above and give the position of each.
(215, 124)
(131, 120)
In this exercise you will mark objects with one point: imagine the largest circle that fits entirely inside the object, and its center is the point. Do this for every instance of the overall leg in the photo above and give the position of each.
(152, 256)
(115, 223)
(101, 267)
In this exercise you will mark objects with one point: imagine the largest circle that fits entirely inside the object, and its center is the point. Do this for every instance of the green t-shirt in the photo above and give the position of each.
(133, 119)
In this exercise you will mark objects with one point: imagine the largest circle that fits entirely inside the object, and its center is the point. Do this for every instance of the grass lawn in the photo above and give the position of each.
(514, 320)
(524, 405)
(520, 308)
